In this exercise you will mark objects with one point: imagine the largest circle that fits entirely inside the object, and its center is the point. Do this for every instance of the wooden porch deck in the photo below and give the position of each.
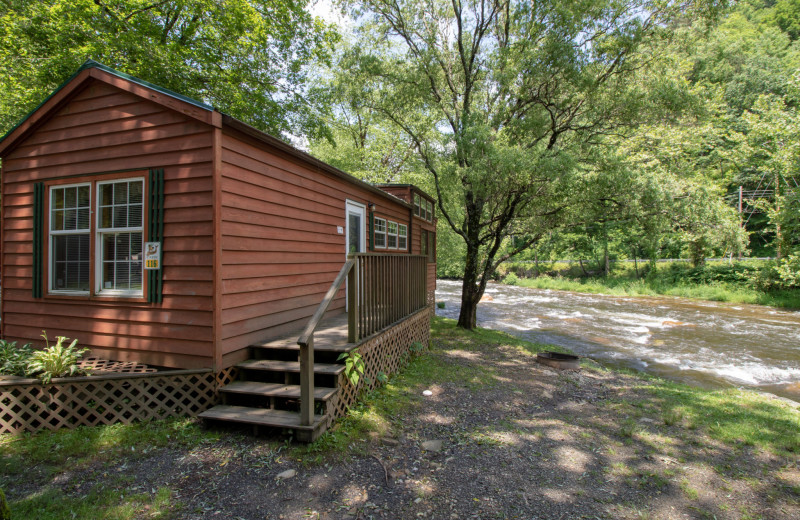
(331, 335)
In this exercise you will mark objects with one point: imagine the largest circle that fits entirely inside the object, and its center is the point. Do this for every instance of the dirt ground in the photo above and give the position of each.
(499, 437)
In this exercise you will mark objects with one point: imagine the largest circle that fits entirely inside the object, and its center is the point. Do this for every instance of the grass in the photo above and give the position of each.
(624, 282)
(53, 453)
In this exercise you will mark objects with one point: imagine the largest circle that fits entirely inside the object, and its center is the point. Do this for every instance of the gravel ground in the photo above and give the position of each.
(499, 437)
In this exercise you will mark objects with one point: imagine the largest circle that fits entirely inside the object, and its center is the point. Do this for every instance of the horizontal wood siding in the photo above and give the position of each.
(280, 245)
(103, 129)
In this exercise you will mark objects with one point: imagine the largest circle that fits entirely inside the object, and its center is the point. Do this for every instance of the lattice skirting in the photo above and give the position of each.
(386, 352)
(28, 405)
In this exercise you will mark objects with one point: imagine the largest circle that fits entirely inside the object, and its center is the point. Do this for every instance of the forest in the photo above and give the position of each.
(612, 133)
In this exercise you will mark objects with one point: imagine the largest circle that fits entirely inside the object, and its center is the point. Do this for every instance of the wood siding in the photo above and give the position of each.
(103, 129)
(280, 246)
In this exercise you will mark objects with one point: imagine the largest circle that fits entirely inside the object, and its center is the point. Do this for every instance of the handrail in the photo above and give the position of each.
(326, 302)
(306, 342)
(381, 289)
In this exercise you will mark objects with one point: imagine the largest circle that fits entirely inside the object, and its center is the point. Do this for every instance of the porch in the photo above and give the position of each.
(297, 381)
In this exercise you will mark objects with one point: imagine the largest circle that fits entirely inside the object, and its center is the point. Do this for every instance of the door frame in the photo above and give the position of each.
(352, 206)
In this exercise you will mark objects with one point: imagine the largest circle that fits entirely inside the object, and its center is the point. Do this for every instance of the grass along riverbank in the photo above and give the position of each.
(499, 437)
(719, 281)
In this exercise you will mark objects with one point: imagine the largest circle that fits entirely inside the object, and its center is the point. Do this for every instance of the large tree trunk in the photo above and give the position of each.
(471, 290)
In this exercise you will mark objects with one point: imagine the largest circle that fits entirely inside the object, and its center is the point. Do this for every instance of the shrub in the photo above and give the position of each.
(13, 359)
(56, 361)
(511, 279)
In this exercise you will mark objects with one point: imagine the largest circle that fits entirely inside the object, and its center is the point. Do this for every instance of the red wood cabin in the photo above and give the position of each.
(252, 231)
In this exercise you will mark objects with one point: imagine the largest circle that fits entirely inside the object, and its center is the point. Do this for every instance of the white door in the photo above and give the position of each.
(356, 240)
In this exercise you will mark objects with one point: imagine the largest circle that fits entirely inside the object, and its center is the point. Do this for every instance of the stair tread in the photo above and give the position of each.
(260, 417)
(289, 366)
(318, 346)
(275, 390)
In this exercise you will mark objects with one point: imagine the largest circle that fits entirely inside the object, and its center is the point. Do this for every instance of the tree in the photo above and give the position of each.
(503, 100)
(249, 58)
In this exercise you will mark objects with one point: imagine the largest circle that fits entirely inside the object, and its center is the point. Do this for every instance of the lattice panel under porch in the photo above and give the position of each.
(387, 352)
(31, 406)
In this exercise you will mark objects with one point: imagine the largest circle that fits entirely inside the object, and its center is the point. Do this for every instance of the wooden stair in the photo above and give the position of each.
(267, 394)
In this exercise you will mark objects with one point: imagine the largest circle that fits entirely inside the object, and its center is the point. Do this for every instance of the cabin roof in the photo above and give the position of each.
(191, 107)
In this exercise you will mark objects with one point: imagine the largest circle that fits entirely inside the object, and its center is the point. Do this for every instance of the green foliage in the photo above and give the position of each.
(249, 58)
(14, 360)
(354, 366)
(56, 361)
(510, 279)
(5, 512)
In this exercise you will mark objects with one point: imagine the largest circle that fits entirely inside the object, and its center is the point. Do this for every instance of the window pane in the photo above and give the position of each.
(70, 270)
(58, 199)
(135, 215)
(71, 197)
(120, 217)
(135, 195)
(122, 261)
(106, 194)
(120, 192)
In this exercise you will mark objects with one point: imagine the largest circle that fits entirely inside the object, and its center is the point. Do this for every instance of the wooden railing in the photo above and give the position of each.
(381, 289)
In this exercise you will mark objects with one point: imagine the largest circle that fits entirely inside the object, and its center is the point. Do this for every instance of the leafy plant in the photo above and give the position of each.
(416, 347)
(56, 361)
(440, 305)
(354, 365)
(382, 377)
(13, 359)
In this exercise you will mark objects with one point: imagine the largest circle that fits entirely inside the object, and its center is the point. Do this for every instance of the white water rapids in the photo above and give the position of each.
(699, 342)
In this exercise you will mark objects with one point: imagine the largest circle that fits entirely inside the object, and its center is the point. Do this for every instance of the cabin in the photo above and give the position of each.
(154, 228)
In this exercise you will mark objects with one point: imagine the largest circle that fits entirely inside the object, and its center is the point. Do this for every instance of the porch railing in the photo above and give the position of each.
(381, 289)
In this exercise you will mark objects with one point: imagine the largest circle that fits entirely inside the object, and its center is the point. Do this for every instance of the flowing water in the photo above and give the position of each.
(709, 344)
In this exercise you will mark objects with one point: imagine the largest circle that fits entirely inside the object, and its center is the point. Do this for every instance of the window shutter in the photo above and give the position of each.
(155, 278)
(38, 233)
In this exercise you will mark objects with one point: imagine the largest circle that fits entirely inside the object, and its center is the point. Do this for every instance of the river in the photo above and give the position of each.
(709, 344)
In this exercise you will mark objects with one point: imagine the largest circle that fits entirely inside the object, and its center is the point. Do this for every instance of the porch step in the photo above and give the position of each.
(275, 390)
(267, 418)
(268, 365)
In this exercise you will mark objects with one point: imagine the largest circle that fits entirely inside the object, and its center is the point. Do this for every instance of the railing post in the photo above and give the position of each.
(352, 300)
(307, 383)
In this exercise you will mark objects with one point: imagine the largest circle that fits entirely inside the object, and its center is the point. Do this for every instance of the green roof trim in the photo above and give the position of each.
(91, 64)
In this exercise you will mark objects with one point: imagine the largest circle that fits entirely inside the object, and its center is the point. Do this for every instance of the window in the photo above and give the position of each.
(379, 233)
(120, 223)
(117, 232)
(423, 242)
(431, 246)
(417, 208)
(402, 236)
(429, 215)
(391, 235)
(70, 209)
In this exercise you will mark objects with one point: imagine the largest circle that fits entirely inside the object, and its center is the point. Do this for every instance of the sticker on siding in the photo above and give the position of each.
(152, 255)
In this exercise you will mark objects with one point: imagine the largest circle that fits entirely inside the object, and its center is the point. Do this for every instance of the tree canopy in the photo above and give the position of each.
(249, 58)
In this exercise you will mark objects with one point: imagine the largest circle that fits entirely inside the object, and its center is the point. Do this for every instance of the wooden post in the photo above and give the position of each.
(352, 299)
(307, 383)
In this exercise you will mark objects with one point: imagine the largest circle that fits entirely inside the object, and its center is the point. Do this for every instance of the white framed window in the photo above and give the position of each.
(417, 208)
(379, 232)
(70, 235)
(402, 236)
(429, 214)
(120, 234)
(391, 235)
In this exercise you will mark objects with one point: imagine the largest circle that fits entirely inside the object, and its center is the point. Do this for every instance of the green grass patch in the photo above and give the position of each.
(64, 449)
(98, 503)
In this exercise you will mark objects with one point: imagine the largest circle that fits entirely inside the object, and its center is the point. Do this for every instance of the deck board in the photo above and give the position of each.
(331, 335)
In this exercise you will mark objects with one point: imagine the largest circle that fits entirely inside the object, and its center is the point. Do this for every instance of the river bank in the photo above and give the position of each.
(721, 281)
(497, 436)
(708, 344)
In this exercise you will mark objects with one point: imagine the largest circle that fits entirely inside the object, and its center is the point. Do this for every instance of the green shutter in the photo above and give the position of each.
(38, 232)
(155, 278)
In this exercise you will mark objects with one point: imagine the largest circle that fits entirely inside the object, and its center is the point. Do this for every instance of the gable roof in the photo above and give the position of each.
(94, 71)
